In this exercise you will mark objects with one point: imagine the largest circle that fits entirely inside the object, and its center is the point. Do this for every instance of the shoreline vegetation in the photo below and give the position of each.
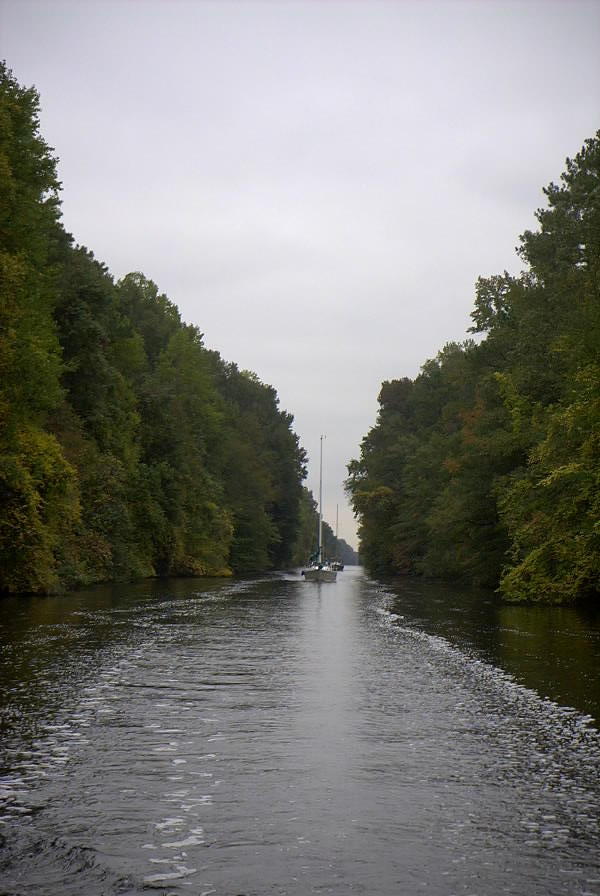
(128, 449)
(485, 469)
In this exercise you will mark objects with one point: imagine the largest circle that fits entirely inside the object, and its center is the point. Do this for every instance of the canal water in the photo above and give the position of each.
(276, 736)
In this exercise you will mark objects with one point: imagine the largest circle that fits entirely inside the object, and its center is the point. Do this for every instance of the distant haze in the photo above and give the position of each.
(316, 185)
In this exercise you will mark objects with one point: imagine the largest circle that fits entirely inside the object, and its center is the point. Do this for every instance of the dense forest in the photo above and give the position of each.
(485, 468)
(127, 448)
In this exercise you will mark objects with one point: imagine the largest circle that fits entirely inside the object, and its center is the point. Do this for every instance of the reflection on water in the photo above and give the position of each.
(276, 736)
(554, 650)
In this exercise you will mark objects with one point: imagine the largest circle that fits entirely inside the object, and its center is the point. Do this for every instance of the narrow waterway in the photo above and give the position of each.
(276, 736)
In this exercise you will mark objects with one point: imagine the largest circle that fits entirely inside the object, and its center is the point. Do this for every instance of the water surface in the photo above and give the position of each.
(276, 736)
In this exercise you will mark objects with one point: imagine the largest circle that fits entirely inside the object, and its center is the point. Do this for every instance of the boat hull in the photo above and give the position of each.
(319, 575)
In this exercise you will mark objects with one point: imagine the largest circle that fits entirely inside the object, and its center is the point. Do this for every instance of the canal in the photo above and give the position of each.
(274, 736)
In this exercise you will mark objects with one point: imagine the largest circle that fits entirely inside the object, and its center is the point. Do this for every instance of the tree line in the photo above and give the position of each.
(485, 468)
(127, 448)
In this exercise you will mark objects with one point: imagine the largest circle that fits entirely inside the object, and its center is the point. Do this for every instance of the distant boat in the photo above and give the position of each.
(336, 564)
(319, 570)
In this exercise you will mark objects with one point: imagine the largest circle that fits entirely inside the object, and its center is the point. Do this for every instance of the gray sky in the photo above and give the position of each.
(316, 185)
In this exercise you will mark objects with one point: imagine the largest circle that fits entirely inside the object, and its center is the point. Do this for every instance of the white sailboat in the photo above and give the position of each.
(319, 571)
(337, 563)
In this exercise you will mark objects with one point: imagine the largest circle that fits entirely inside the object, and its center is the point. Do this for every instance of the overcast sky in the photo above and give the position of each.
(316, 185)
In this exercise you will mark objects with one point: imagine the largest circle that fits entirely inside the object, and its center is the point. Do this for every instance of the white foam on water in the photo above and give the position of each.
(173, 823)
(204, 800)
(492, 674)
(552, 748)
(192, 840)
(180, 872)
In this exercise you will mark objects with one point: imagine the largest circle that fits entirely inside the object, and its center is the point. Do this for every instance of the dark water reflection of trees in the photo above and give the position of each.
(553, 650)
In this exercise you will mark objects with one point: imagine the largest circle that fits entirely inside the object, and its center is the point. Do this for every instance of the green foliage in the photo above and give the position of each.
(485, 468)
(156, 318)
(306, 537)
(29, 213)
(93, 333)
(38, 495)
(552, 511)
(262, 467)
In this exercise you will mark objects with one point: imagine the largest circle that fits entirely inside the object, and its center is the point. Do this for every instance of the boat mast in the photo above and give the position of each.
(321, 503)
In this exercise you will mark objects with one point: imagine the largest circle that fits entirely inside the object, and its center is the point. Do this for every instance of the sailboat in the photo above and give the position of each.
(319, 571)
(337, 563)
